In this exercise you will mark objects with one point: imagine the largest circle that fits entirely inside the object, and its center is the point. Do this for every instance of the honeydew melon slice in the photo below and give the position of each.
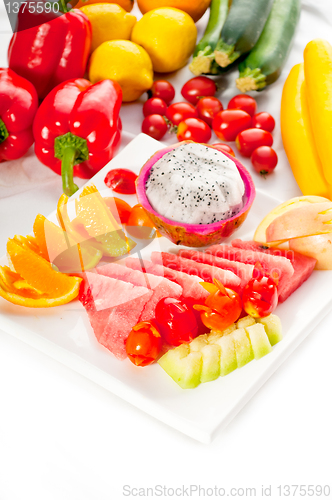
(243, 348)
(214, 335)
(259, 340)
(245, 322)
(273, 328)
(211, 362)
(210, 357)
(183, 366)
(228, 360)
(198, 343)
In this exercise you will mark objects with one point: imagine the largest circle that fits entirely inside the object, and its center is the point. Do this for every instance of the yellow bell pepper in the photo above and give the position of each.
(318, 77)
(297, 136)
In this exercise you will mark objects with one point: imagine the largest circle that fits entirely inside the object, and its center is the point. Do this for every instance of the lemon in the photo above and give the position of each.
(169, 37)
(125, 62)
(125, 4)
(109, 21)
(195, 8)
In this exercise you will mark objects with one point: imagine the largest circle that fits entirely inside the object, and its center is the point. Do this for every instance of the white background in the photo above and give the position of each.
(64, 438)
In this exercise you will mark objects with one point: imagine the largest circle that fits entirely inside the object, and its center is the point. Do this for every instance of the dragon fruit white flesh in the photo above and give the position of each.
(195, 184)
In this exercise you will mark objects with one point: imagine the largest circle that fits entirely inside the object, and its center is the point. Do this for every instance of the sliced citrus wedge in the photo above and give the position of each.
(62, 250)
(100, 223)
(17, 291)
(38, 272)
(22, 285)
(25, 301)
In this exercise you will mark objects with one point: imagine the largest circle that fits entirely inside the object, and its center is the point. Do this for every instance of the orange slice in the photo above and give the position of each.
(22, 300)
(22, 285)
(38, 272)
(19, 292)
(61, 249)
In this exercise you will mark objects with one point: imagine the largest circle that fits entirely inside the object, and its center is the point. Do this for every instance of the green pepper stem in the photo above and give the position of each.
(63, 6)
(3, 132)
(67, 166)
(71, 150)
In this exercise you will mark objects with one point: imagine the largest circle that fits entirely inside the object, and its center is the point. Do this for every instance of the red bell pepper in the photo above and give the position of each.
(77, 129)
(18, 106)
(52, 52)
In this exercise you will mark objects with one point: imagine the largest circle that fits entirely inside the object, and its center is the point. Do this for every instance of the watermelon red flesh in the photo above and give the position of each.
(100, 296)
(191, 289)
(303, 265)
(112, 325)
(243, 271)
(160, 286)
(204, 271)
(192, 292)
(270, 263)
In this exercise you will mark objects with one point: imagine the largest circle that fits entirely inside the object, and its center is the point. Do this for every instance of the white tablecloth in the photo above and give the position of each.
(64, 438)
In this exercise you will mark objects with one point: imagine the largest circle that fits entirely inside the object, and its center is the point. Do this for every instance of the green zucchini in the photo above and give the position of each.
(264, 63)
(243, 26)
(203, 61)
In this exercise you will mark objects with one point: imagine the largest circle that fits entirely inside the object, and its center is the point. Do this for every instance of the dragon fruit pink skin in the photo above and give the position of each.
(194, 235)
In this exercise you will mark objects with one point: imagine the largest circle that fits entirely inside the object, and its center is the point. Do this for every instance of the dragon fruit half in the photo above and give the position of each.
(194, 194)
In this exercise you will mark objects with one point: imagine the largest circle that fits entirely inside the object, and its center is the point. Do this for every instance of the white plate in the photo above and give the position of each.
(64, 333)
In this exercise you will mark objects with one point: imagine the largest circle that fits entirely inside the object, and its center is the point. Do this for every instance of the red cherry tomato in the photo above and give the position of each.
(162, 89)
(154, 106)
(207, 108)
(252, 138)
(197, 87)
(122, 208)
(176, 321)
(222, 307)
(263, 120)
(155, 126)
(140, 225)
(193, 129)
(143, 344)
(244, 102)
(260, 297)
(179, 111)
(121, 181)
(224, 148)
(229, 123)
(264, 160)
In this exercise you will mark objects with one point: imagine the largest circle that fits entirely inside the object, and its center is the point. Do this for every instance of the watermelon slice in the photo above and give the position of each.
(243, 271)
(271, 264)
(303, 265)
(190, 284)
(112, 323)
(161, 287)
(204, 271)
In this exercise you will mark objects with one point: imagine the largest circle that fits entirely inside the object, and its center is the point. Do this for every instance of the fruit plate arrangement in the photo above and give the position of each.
(65, 334)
